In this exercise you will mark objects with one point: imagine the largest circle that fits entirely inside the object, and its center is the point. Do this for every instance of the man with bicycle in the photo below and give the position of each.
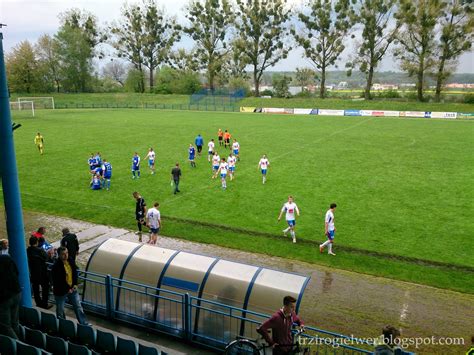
(281, 324)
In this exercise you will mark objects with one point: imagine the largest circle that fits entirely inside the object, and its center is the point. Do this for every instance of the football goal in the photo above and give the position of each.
(22, 108)
(41, 102)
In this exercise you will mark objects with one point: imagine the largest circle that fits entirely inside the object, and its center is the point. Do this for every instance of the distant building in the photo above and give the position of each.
(459, 86)
(377, 86)
(342, 85)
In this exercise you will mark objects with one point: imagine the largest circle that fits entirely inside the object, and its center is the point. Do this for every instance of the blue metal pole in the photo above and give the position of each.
(11, 189)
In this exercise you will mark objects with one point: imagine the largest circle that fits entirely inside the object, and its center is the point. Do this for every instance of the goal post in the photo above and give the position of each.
(24, 106)
(46, 102)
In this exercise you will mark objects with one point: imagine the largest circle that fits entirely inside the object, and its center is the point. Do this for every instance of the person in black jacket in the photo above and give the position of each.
(37, 259)
(64, 273)
(10, 292)
(71, 243)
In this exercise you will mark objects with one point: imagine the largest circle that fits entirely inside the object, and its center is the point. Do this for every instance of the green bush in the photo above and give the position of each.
(304, 94)
(389, 94)
(469, 99)
(267, 92)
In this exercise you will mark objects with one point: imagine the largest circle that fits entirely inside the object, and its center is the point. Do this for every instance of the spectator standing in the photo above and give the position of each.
(175, 176)
(70, 241)
(281, 323)
(387, 343)
(199, 141)
(9, 297)
(4, 247)
(64, 274)
(37, 259)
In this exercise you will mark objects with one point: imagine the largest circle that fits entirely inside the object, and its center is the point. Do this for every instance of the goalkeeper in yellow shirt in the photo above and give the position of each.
(39, 141)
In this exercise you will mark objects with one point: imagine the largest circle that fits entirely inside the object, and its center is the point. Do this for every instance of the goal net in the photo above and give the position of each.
(22, 108)
(41, 102)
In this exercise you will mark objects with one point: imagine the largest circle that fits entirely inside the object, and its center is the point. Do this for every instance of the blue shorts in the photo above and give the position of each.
(330, 235)
(191, 157)
(107, 176)
(151, 162)
(236, 152)
(291, 223)
(154, 230)
(231, 169)
(210, 152)
(223, 176)
(215, 167)
(135, 168)
(264, 171)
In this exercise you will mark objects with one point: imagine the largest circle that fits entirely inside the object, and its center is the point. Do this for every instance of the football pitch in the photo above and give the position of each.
(403, 186)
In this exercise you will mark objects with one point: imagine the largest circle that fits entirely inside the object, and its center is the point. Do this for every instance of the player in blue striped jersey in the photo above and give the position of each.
(107, 174)
(136, 166)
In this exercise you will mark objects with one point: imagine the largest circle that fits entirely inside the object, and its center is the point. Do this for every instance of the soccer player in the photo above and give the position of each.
(290, 208)
(192, 153)
(199, 142)
(95, 182)
(263, 164)
(153, 221)
(210, 149)
(223, 167)
(220, 135)
(39, 141)
(91, 163)
(136, 166)
(329, 229)
(98, 160)
(151, 160)
(231, 162)
(227, 136)
(215, 164)
(236, 148)
(107, 174)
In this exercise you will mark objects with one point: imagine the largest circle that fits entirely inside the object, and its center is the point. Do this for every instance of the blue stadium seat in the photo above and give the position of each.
(7, 345)
(31, 318)
(56, 345)
(21, 330)
(75, 349)
(49, 323)
(35, 337)
(126, 347)
(106, 342)
(147, 350)
(67, 329)
(86, 335)
(25, 349)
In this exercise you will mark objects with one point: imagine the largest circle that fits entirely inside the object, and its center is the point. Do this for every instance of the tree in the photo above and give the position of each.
(22, 69)
(305, 77)
(375, 16)
(416, 38)
(457, 25)
(144, 37)
(46, 50)
(76, 41)
(323, 33)
(115, 70)
(281, 85)
(261, 29)
(210, 21)
(184, 60)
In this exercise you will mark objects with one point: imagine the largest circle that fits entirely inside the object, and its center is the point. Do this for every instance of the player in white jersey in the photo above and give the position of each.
(153, 221)
(151, 160)
(329, 229)
(223, 168)
(290, 208)
(263, 164)
(231, 162)
(210, 149)
(216, 159)
(236, 149)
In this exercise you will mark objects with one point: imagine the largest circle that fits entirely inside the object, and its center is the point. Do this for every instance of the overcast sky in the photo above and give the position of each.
(29, 19)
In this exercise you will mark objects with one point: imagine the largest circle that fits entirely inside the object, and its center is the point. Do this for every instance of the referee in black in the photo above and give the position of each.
(175, 175)
(140, 213)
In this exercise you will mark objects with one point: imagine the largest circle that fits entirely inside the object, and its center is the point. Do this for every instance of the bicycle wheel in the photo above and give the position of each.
(241, 347)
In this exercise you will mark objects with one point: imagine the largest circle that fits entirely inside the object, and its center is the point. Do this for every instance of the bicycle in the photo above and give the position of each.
(246, 346)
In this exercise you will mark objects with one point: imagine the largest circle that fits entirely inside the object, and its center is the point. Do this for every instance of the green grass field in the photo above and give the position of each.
(403, 186)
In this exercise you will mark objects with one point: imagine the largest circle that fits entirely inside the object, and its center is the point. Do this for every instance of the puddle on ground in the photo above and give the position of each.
(336, 300)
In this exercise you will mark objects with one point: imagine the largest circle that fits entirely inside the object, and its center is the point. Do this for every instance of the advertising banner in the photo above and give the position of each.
(273, 110)
(322, 112)
(247, 109)
(444, 115)
(420, 114)
(302, 111)
(314, 111)
(352, 113)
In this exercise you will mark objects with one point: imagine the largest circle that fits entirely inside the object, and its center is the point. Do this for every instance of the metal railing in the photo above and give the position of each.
(197, 320)
(206, 106)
